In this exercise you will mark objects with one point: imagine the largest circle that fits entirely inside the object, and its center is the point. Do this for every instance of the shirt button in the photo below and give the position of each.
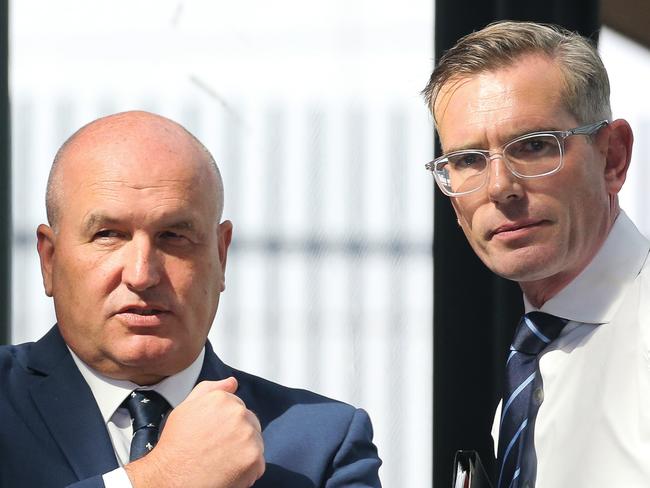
(538, 395)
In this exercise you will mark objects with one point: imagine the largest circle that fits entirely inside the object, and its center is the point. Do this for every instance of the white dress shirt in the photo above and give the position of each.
(593, 426)
(110, 393)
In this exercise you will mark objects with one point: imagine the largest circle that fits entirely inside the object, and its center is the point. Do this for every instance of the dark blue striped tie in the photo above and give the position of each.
(147, 409)
(535, 331)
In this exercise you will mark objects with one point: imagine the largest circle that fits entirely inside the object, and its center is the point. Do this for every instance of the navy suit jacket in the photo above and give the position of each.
(53, 435)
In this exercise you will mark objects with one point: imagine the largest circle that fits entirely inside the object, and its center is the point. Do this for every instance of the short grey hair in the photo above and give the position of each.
(501, 44)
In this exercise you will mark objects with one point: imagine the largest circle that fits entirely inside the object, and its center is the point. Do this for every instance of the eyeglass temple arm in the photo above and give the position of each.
(589, 129)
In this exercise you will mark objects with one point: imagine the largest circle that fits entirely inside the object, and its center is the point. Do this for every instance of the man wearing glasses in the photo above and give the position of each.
(533, 165)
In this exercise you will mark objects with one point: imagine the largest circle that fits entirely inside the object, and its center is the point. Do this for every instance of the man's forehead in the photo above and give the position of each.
(508, 101)
(132, 155)
(145, 178)
(527, 61)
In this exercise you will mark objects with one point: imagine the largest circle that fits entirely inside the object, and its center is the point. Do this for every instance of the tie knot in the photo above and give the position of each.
(147, 408)
(535, 331)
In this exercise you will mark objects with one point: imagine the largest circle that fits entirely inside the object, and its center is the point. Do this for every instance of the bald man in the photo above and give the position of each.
(125, 390)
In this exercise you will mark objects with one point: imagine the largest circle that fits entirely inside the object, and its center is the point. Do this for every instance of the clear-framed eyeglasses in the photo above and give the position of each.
(528, 156)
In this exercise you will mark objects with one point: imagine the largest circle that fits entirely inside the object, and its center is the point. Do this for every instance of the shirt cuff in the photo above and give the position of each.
(117, 479)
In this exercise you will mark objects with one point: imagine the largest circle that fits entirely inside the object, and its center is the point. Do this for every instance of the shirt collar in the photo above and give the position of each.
(595, 294)
(109, 393)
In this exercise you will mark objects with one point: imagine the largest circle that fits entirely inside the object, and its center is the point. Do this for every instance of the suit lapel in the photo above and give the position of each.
(213, 368)
(69, 409)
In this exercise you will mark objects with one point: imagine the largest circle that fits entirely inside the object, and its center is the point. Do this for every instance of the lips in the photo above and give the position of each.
(142, 314)
(512, 228)
(144, 310)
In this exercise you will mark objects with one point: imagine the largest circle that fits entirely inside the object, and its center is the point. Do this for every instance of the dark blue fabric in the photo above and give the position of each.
(52, 434)
(536, 330)
(147, 409)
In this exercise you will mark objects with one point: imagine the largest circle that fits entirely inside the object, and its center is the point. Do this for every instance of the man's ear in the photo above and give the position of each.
(618, 154)
(223, 241)
(45, 244)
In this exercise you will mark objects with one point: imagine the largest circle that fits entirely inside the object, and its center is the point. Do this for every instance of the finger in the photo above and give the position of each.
(229, 385)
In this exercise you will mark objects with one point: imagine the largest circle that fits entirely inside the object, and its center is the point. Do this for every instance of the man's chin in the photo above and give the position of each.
(522, 265)
(147, 352)
(145, 358)
(153, 359)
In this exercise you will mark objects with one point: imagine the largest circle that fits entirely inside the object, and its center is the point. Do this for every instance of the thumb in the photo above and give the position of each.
(229, 385)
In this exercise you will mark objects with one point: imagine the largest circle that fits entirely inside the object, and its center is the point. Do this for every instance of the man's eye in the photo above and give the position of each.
(534, 145)
(533, 148)
(107, 234)
(173, 237)
(460, 162)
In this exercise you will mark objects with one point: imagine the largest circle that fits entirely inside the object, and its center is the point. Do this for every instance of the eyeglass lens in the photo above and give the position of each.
(531, 156)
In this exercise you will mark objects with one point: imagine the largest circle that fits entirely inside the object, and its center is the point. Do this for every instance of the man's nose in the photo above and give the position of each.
(502, 184)
(142, 266)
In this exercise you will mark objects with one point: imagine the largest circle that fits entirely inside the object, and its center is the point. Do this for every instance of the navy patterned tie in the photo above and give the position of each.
(147, 409)
(535, 331)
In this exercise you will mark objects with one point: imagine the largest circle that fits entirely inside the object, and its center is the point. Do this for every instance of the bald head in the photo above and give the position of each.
(115, 133)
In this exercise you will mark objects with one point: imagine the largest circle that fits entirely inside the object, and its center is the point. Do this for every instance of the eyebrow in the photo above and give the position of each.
(181, 225)
(96, 220)
(509, 137)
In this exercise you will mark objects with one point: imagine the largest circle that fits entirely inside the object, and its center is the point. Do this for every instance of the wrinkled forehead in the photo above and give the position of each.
(132, 157)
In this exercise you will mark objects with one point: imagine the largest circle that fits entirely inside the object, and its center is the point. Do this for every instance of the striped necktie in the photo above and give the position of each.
(535, 331)
(147, 409)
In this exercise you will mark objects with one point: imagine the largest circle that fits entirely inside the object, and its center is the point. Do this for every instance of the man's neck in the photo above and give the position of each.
(538, 292)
